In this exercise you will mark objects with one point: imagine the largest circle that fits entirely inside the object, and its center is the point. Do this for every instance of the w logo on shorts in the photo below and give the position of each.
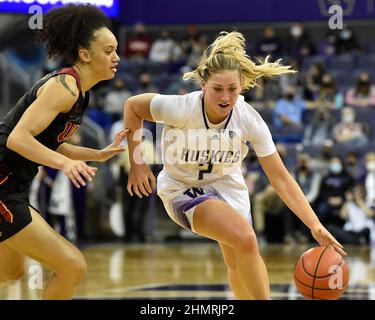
(194, 192)
(5, 212)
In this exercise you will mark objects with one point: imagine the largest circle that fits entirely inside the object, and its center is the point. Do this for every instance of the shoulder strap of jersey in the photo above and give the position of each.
(71, 71)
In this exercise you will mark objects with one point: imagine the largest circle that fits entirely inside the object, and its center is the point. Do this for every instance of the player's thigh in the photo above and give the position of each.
(41, 243)
(12, 263)
(215, 219)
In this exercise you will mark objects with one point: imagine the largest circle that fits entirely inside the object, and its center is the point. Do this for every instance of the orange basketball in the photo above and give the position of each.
(321, 274)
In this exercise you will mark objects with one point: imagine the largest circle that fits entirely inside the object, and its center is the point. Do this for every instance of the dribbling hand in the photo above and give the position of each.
(141, 180)
(78, 172)
(325, 239)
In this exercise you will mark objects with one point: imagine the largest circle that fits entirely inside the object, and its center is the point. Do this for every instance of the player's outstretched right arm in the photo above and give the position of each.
(141, 180)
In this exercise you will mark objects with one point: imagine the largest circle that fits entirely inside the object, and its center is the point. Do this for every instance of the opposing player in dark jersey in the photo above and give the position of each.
(35, 132)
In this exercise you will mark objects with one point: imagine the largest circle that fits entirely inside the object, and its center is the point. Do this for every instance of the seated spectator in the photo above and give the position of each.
(193, 45)
(327, 96)
(181, 86)
(359, 227)
(348, 131)
(145, 84)
(321, 163)
(355, 167)
(312, 81)
(319, 129)
(332, 192)
(363, 94)
(328, 46)
(267, 206)
(347, 41)
(288, 110)
(298, 43)
(370, 179)
(162, 48)
(270, 44)
(291, 79)
(138, 44)
(115, 98)
(309, 182)
(265, 94)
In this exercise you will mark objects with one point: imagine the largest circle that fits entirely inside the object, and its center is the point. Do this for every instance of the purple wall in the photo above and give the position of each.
(232, 11)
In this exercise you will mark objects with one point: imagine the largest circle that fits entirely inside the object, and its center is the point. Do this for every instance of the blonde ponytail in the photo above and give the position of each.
(227, 52)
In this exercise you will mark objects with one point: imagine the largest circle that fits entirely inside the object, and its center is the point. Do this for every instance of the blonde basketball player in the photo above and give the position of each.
(201, 184)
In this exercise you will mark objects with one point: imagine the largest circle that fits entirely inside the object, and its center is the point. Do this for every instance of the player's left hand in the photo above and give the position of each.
(325, 239)
(115, 147)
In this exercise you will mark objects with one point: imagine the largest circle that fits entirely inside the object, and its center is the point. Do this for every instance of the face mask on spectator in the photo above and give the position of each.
(289, 96)
(348, 118)
(364, 83)
(335, 167)
(370, 166)
(345, 34)
(296, 32)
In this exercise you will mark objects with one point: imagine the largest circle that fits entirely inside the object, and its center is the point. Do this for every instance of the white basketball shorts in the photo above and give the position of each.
(180, 200)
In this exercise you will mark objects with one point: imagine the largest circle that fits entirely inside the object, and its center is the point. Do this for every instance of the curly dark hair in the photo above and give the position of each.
(67, 28)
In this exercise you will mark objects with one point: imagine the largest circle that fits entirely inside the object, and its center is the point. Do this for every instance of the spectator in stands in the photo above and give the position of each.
(322, 162)
(291, 79)
(288, 110)
(348, 131)
(114, 99)
(134, 208)
(332, 191)
(180, 86)
(298, 43)
(328, 97)
(145, 83)
(319, 129)
(162, 48)
(370, 179)
(359, 227)
(347, 41)
(265, 94)
(138, 44)
(355, 168)
(268, 204)
(363, 94)
(269, 44)
(328, 46)
(193, 45)
(312, 81)
(309, 180)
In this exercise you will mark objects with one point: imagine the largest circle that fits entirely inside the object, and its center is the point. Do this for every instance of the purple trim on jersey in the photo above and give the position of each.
(181, 206)
(205, 119)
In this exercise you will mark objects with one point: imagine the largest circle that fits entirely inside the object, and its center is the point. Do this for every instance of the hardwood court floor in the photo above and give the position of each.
(186, 271)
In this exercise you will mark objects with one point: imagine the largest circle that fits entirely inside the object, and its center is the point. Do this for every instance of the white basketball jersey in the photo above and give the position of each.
(197, 152)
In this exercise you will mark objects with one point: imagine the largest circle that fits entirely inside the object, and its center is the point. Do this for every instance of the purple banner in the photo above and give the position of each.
(233, 11)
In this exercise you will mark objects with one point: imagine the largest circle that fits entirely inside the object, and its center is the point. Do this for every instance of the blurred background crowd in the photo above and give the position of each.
(322, 119)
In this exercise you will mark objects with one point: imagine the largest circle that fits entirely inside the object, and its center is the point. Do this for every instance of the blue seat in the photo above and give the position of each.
(343, 62)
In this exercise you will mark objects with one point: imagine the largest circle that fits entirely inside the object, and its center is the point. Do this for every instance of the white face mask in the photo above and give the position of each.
(348, 118)
(335, 167)
(345, 34)
(370, 166)
(296, 32)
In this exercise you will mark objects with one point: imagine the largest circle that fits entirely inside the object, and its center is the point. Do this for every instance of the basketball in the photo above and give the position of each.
(321, 274)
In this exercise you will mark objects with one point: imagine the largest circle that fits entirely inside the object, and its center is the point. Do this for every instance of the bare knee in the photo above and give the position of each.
(245, 242)
(74, 269)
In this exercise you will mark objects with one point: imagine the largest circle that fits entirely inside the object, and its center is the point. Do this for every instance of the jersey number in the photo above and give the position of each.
(69, 130)
(203, 171)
